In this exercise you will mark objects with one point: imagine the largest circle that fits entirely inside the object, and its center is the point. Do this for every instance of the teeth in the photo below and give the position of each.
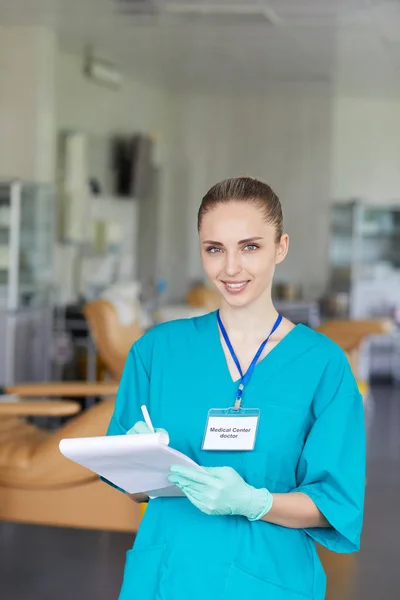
(236, 285)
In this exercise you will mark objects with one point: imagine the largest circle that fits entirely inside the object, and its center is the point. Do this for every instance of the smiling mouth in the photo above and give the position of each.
(234, 287)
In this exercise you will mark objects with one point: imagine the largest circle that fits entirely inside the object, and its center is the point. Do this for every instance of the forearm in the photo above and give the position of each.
(295, 510)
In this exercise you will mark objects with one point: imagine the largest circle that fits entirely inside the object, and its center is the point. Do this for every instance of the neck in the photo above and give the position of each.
(253, 320)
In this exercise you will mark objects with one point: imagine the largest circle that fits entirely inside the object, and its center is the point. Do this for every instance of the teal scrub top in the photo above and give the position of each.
(310, 439)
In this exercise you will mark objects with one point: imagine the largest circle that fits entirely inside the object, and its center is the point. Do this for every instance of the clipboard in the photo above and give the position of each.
(135, 463)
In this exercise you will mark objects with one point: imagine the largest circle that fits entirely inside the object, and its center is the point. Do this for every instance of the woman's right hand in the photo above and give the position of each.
(141, 427)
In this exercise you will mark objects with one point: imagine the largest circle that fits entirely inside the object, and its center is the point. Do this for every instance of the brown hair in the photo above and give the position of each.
(245, 189)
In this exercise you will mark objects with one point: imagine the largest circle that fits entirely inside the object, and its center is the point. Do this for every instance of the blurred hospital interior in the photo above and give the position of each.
(116, 116)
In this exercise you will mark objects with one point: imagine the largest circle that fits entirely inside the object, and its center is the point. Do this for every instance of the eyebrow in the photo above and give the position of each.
(240, 242)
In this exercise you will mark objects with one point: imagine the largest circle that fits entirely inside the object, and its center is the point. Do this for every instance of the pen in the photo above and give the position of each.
(147, 419)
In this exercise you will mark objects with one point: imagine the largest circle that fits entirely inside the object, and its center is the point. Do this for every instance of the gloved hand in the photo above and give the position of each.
(141, 427)
(222, 491)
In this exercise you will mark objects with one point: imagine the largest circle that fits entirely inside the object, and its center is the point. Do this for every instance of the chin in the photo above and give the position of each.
(250, 296)
(236, 303)
(237, 300)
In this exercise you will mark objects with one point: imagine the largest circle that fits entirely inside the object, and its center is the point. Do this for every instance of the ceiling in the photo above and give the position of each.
(232, 44)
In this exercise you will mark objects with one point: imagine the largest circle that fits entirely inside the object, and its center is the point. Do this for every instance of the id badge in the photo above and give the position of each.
(229, 429)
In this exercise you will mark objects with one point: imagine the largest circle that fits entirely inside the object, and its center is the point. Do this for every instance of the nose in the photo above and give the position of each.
(232, 264)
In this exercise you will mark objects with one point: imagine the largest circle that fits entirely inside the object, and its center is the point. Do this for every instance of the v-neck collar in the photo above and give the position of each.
(268, 361)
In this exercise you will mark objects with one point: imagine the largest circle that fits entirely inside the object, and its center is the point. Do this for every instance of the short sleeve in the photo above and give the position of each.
(331, 470)
(133, 391)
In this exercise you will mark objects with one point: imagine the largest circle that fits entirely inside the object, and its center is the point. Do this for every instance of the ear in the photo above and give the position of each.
(282, 248)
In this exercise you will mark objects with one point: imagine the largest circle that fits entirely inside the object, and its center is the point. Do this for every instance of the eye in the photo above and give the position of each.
(213, 250)
(251, 247)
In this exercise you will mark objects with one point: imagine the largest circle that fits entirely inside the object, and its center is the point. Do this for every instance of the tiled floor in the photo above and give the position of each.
(39, 563)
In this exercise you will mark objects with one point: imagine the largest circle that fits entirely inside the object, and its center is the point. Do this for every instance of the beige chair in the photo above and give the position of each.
(203, 297)
(112, 339)
(349, 335)
(39, 485)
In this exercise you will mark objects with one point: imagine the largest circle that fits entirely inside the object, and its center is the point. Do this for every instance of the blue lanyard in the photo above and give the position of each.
(244, 378)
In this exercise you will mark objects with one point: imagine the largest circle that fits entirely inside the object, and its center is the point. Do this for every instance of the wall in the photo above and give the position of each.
(27, 73)
(102, 112)
(366, 149)
(283, 137)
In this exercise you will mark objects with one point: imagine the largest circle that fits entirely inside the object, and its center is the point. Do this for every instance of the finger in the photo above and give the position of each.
(196, 495)
(196, 492)
(160, 430)
(186, 483)
(220, 472)
(215, 471)
(197, 500)
(139, 427)
(198, 504)
(192, 474)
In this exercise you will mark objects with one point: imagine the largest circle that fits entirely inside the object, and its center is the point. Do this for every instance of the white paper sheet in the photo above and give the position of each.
(136, 463)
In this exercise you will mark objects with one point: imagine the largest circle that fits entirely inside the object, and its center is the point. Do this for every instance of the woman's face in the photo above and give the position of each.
(239, 251)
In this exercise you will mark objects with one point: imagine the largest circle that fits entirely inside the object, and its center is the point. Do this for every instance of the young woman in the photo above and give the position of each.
(269, 409)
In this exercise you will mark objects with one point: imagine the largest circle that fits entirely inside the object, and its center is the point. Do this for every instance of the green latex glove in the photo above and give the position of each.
(141, 427)
(221, 491)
